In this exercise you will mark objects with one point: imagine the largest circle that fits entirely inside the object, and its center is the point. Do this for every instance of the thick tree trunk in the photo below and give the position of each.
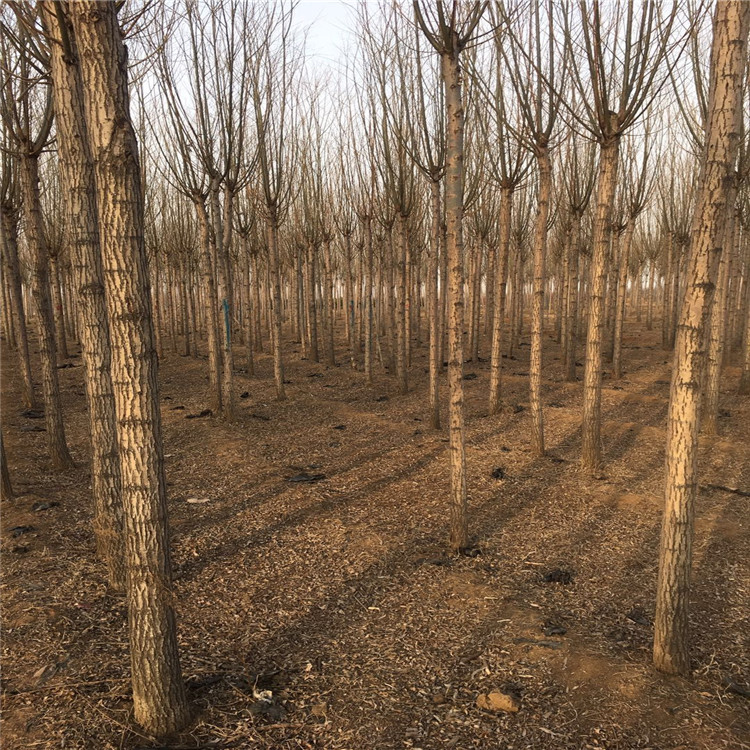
(58, 448)
(717, 325)
(729, 53)
(498, 311)
(591, 457)
(159, 696)
(454, 199)
(77, 175)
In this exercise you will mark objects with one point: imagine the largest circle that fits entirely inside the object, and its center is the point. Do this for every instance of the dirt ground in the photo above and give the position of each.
(338, 596)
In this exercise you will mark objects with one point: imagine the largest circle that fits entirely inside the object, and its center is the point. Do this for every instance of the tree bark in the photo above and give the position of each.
(498, 313)
(454, 198)
(159, 695)
(78, 179)
(9, 231)
(728, 57)
(591, 457)
(622, 285)
(56, 443)
(537, 308)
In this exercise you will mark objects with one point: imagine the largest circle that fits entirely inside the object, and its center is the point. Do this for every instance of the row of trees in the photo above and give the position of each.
(479, 164)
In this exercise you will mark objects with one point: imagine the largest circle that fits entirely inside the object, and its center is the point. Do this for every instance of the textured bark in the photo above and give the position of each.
(498, 312)
(591, 457)
(728, 57)
(9, 231)
(537, 307)
(58, 448)
(159, 696)
(454, 197)
(77, 175)
(717, 326)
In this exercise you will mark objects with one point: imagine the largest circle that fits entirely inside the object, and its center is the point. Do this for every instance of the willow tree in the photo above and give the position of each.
(728, 61)
(159, 695)
(622, 69)
(79, 198)
(449, 33)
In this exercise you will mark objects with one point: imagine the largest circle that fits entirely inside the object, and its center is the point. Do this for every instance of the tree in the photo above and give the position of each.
(158, 690)
(77, 174)
(449, 35)
(728, 60)
(622, 65)
(26, 111)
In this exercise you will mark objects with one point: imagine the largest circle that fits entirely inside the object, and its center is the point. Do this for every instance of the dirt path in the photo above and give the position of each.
(338, 595)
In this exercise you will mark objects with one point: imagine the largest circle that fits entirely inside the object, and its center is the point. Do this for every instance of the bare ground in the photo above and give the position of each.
(339, 597)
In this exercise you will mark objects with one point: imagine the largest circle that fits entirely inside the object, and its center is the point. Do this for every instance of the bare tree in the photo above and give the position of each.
(728, 60)
(623, 60)
(27, 113)
(449, 33)
(158, 690)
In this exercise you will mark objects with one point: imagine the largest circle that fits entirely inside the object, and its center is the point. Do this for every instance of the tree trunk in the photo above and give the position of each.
(58, 448)
(402, 321)
(591, 457)
(729, 53)
(328, 302)
(209, 286)
(498, 312)
(275, 274)
(537, 308)
(78, 179)
(224, 297)
(159, 696)
(454, 199)
(57, 307)
(9, 231)
(368, 313)
(433, 306)
(571, 309)
(622, 285)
